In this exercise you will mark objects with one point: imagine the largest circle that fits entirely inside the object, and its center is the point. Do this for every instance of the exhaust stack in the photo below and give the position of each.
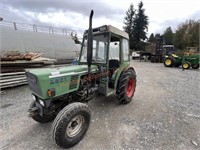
(90, 42)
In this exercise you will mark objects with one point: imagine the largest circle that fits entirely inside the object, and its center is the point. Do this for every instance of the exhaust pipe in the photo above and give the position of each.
(90, 43)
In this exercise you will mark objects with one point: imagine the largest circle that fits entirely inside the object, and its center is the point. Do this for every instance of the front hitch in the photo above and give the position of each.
(33, 111)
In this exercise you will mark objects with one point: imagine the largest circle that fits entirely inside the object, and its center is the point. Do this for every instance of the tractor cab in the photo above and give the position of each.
(110, 52)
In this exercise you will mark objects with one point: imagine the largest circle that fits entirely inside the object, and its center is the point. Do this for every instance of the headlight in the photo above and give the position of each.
(33, 96)
(41, 102)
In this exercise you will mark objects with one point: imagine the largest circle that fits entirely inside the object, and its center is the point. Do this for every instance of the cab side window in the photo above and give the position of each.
(125, 49)
(114, 52)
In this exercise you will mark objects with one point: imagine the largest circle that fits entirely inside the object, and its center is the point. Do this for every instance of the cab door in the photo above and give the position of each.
(114, 61)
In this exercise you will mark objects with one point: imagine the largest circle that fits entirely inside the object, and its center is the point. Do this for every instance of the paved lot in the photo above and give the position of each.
(164, 114)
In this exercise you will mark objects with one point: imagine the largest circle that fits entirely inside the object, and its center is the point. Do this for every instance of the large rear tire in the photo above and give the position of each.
(126, 86)
(44, 118)
(71, 124)
(168, 62)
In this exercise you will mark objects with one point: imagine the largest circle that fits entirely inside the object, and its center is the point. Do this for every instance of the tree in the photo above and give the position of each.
(152, 38)
(136, 25)
(178, 39)
(168, 36)
(192, 33)
(128, 21)
(187, 34)
(140, 27)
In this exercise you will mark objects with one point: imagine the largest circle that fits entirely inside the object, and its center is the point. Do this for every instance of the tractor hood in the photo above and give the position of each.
(63, 71)
(63, 79)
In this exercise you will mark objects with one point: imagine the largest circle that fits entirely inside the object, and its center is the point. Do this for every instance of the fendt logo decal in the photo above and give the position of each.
(59, 80)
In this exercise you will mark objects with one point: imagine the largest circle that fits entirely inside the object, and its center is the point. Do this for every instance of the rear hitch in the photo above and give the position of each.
(33, 111)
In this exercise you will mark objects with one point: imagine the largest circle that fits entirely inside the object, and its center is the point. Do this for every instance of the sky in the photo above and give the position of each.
(73, 14)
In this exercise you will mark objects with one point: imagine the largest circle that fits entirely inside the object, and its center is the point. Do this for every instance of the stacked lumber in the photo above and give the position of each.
(14, 61)
(15, 55)
(12, 79)
(13, 66)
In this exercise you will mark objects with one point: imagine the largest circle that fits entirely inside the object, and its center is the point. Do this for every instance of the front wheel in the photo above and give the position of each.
(196, 66)
(71, 124)
(186, 65)
(126, 87)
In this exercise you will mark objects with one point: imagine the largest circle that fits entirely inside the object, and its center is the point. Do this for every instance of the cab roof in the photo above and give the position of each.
(109, 28)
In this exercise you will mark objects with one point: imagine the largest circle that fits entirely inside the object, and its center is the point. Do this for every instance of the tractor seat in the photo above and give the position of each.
(174, 55)
(113, 65)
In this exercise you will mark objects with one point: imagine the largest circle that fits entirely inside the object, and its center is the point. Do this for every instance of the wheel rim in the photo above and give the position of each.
(130, 87)
(168, 62)
(75, 126)
(185, 65)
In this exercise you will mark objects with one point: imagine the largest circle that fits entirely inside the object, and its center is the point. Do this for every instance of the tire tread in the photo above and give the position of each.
(121, 90)
(65, 114)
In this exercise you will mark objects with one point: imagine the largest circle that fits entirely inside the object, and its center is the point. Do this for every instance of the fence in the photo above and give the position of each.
(37, 28)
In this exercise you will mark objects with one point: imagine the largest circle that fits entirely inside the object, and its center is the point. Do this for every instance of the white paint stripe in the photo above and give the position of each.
(70, 73)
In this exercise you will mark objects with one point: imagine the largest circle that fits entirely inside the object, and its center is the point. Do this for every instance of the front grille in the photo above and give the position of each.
(73, 82)
(33, 83)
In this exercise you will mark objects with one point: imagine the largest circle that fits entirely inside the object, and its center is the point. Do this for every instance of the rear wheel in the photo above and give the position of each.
(71, 124)
(168, 62)
(44, 118)
(186, 65)
(126, 87)
(196, 66)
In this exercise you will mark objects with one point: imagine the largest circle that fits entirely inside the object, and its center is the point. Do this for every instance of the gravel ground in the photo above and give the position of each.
(164, 114)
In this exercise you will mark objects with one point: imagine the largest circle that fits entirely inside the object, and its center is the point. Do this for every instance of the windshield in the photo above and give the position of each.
(100, 43)
(168, 48)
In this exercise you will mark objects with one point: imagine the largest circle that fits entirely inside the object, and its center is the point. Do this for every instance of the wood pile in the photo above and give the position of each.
(12, 79)
(13, 66)
(14, 61)
(15, 55)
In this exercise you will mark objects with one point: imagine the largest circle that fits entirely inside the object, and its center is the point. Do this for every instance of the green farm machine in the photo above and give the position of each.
(60, 94)
(189, 59)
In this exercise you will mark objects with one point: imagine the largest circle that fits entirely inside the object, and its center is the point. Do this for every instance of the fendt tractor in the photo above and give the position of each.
(61, 94)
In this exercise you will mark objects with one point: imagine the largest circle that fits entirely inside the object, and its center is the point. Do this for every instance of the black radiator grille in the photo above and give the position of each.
(33, 83)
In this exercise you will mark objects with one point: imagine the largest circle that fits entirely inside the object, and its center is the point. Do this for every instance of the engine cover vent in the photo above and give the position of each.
(73, 82)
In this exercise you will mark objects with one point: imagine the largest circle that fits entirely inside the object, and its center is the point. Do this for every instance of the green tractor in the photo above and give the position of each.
(61, 94)
(187, 60)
